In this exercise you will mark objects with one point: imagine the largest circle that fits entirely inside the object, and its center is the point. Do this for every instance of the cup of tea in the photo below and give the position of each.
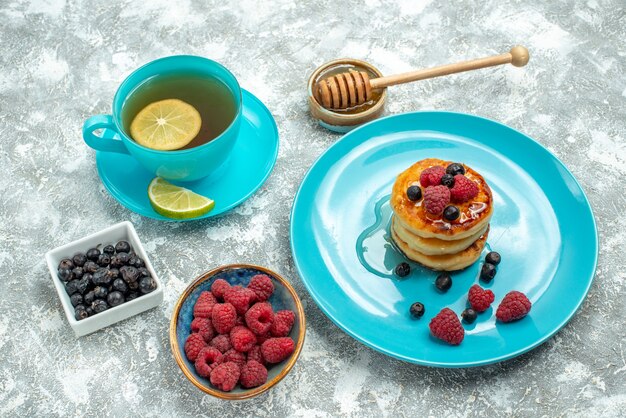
(205, 85)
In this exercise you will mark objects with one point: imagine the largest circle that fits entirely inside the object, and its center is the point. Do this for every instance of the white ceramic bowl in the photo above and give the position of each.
(121, 231)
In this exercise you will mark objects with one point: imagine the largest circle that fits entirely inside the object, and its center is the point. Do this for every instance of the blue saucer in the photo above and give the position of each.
(542, 226)
(250, 164)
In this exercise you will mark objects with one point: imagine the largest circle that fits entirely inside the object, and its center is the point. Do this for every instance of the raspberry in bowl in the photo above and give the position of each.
(237, 330)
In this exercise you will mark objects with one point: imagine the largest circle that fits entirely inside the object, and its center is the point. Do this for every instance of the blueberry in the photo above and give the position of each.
(122, 258)
(93, 254)
(447, 180)
(115, 298)
(469, 315)
(133, 285)
(417, 310)
(443, 282)
(89, 297)
(143, 272)
(139, 263)
(76, 299)
(101, 277)
(403, 269)
(89, 278)
(83, 285)
(66, 263)
(115, 262)
(114, 273)
(120, 285)
(493, 258)
(414, 193)
(90, 267)
(65, 275)
(122, 247)
(488, 272)
(104, 260)
(99, 305)
(147, 285)
(132, 295)
(78, 272)
(451, 213)
(89, 310)
(79, 259)
(455, 168)
(71, 287)
(80, 313)
(135, 262)
(109, 249)
(129, 273)
(100, 292)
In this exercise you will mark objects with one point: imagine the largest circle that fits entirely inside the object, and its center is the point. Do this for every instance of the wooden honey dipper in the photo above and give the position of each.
(354, 88)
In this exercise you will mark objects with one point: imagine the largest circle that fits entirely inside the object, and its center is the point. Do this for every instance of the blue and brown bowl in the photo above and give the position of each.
(284, 297)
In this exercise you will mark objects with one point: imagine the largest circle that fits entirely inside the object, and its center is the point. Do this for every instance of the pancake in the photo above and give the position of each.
(446, 262)
(475, 214)
(434, 246)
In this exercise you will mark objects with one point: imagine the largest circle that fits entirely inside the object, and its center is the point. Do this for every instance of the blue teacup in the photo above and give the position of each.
(182, 165)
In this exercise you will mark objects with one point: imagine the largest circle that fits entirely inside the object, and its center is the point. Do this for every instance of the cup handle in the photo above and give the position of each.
(102, 143)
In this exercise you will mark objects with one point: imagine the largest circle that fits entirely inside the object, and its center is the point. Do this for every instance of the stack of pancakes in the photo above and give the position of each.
(432, 240)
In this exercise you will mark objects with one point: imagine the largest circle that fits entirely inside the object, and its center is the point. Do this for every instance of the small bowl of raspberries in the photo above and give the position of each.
(237, 330)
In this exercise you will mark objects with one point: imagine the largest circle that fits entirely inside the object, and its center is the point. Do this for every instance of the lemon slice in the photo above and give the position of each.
(177, 202)
(166, 125)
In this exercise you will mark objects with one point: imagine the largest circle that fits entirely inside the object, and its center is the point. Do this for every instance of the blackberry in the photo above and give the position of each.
(417, 310)
(493, 258)
(80, 313)
(78, 272)
(89, 297)
(122, 258)
(71, 287)
(99, 305)
(487, 272)
(447, 180)
(109, 249)
(104, 260)
(469, 315)
(90, 267)
(143, 272)
(451, 213)
(443, 282)
(120, 285)
(100, 292)
(101, 277)
(132, 295)
(147, 285)
(76, 299)
(93, 254)
(65, 275)
(414, 193)
(115, 298)
(129, 273)
(403, 269)
(122, 247)
(455, 168)
(79, 259)
(66, 263)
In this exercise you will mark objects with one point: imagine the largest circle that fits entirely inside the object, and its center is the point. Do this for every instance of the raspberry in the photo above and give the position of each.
(436, 198)
(464, 189)
(514, 306)
(225, 376)
(193, 345)
(262, 286)
(219, 287)
(283, 321)
(479, 298)
(224, 317)
(242, 339)
(203, 327)
(275, 350)
(222, 343)
(204, 305)
(253, 374)
(255, 354)
(239, 297)
(447, 327)
(259, 318)
(263, 337)
(432, 176)
(240, 321)
(235, 356)
(207, 360)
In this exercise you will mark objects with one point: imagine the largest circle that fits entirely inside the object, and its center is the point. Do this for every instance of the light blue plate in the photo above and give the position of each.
(250, 164)
(542, 226)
